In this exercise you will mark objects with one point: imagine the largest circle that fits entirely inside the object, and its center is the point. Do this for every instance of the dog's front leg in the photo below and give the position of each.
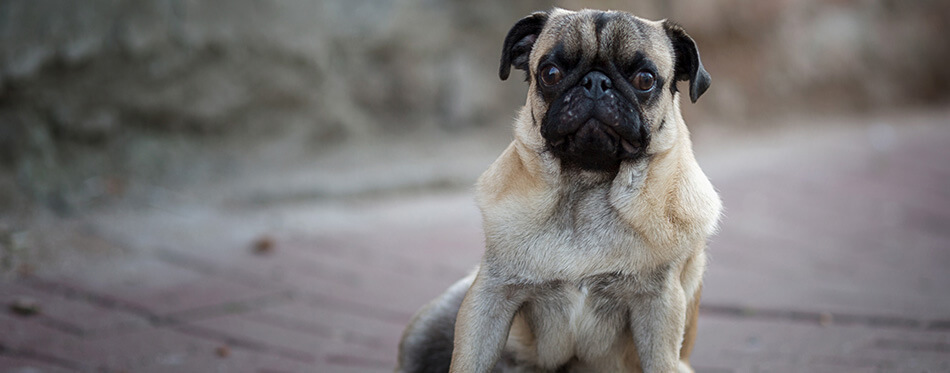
(658, 321)
(483, 322)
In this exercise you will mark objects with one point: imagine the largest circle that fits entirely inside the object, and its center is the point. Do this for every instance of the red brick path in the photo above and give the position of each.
(833, 257)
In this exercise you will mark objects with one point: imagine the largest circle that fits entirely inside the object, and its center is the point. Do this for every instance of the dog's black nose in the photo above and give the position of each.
(596, 84)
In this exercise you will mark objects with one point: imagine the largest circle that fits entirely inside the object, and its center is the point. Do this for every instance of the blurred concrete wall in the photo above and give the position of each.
(138, 88)
(792, 56)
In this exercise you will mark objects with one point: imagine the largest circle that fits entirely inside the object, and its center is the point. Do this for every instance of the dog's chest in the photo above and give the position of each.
(577, 235)
(585, 320)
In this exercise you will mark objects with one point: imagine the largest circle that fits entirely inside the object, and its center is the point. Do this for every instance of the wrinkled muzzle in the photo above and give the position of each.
(592, 126)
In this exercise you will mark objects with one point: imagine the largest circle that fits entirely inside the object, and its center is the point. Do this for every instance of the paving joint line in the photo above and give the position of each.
(167, 322)
(154, 319)
(248, 344)
(365, 310)
(29, 354)
(61, 325)
(102, 301)
(314, 329)
(916, 346)
(204, 267)
(824, 318)
(360, 361)
(227, 308)
(321, 300)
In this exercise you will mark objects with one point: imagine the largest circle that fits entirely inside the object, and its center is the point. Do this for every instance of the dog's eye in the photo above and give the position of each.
(644, 81)
(550, 74)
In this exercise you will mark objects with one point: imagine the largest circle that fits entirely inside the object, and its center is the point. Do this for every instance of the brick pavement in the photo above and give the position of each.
(832, 257)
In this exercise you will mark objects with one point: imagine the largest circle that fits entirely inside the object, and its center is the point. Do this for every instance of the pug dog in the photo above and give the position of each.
(596, 216)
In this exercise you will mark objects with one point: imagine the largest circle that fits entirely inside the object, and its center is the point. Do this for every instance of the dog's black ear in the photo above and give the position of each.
(687, 63)
(519, 42)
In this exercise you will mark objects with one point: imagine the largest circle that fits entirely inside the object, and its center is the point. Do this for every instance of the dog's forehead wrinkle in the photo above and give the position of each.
(640, 38)
(600, 21)
(611, 37)
(577, 30)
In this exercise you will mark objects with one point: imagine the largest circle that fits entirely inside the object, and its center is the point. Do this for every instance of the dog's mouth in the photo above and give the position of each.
(594, 131)
(596, 145)
(596, 135)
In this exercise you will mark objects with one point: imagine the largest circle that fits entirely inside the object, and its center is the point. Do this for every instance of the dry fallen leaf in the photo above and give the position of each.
(26, 270)
(223, 351)
(825, 319)
(264, 245)
(25, 306)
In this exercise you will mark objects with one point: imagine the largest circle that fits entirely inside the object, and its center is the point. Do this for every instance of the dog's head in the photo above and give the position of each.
(603, 84)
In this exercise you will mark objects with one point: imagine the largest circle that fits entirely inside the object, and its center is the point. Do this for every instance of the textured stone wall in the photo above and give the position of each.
(96, 92)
